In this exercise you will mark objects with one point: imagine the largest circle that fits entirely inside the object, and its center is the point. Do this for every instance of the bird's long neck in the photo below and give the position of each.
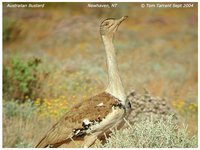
(115, 86)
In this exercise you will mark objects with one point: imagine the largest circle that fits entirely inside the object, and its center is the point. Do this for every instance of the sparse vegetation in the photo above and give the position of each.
(147, 132)
(21, 124)
(52, 59)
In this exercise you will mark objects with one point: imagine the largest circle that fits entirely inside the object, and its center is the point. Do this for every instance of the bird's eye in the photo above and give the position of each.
(106, 23)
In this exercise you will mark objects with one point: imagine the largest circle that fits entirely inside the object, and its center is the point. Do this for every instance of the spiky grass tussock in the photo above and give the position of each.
(152, 133)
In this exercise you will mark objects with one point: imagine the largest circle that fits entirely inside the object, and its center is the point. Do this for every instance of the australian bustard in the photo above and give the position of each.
(91, 119)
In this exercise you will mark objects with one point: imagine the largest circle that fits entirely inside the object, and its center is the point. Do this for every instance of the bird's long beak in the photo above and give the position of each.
(119, 21)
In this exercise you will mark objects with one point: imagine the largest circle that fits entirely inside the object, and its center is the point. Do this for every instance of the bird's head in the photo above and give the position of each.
(110, 26)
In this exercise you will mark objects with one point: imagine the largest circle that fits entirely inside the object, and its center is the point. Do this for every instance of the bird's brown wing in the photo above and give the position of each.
(87, 109)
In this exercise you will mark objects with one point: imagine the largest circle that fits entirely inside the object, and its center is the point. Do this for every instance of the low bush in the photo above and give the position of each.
(152, 133)
(20, 78)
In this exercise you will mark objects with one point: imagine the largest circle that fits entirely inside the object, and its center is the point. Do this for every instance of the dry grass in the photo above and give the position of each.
(156, 50)
(22, 125)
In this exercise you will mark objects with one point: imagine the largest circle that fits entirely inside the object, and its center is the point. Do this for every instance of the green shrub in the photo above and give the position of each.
(149, 133)
(20, 78)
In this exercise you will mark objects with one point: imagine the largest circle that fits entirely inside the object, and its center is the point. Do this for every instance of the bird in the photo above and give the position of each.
(95, 117)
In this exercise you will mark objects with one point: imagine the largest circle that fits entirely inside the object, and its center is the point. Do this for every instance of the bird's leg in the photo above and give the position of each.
(90, 139)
